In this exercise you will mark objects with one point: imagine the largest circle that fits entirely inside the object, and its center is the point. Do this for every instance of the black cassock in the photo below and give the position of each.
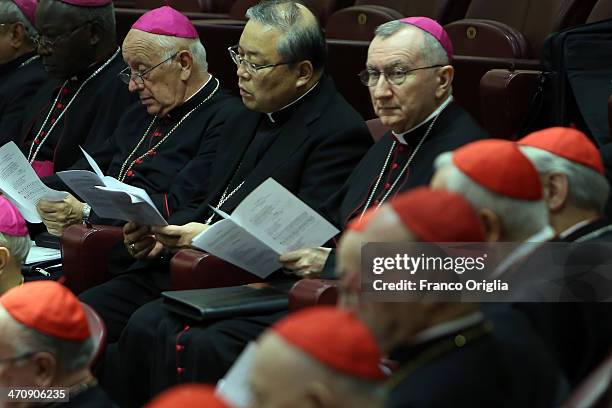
(497, 362)
(81, 111)
(169, 160)
(310, 148)
(579, 334)
(19, 81)
(373, 182)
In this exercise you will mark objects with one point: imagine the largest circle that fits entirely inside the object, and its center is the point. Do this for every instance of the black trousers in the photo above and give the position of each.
(159, 349)
(116, 300)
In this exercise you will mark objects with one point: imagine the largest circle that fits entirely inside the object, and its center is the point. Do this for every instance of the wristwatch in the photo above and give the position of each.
(86, 212)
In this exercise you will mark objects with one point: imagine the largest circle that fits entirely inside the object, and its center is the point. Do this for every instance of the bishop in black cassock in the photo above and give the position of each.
(19, 81)
(84, 103)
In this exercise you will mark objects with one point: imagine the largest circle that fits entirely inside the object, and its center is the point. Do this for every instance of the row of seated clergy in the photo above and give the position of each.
(424, 127)
(21, 69)
(309, 144)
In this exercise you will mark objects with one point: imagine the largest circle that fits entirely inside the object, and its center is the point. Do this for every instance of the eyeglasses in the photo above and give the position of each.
(139, 77)
(251, 68)
(17, 358)
(42, 41)
(395, 75)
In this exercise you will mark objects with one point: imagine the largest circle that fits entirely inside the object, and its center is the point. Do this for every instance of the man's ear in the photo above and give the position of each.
(556, 191)
(46, 369)
(18, 34)
(445, 77)
(95, 33)
(186, 60)
(319, 395)
(5, 258)
(492, 225)
(305, 73)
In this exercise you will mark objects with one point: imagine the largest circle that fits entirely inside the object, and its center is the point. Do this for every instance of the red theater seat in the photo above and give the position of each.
(85, 251)
(359, 22)
(443, 11)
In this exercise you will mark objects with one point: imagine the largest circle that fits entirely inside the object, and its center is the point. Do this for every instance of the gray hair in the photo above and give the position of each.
(19, 247)
(432, 51)
(587, 189)
(302, 41)
(170, 45)
(520, 219)
(71, 356)
(12, 13)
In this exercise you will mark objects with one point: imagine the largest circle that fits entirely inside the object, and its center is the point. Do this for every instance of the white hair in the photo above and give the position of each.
(11, 13)
(587, 189)
(71, 356)
(170, 45)
(19, 247)
(520, 219)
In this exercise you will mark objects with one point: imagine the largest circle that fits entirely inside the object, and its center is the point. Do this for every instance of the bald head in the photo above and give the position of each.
(284, 376)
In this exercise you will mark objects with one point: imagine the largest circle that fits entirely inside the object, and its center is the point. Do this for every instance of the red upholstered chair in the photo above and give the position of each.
(344, 62)
(359, 22)
(192, 269)
(377, 130)
(311, 292)
(505, 35)
(98, 332)
(85, 252)
(505, 100)
(515, 29)
(443, 11)
(596, 390)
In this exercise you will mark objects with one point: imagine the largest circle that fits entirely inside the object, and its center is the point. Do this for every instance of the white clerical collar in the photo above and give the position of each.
(198, 91)
(574, 228)
(524, 250)
(401, 136)
(445, 328)
(288, 105)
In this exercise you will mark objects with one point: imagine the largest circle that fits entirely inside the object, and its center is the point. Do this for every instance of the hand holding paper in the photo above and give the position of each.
(57, 215)
(269, 222)
(20, 184)
(110, 198)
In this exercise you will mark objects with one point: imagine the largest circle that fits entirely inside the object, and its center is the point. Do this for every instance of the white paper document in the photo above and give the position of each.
(39, 254)
(21, 185)
(110, 198)
(234, 387)
(268, 222)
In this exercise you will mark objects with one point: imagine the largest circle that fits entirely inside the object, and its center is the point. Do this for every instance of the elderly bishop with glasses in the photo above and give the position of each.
(409, 75)
(164, 144)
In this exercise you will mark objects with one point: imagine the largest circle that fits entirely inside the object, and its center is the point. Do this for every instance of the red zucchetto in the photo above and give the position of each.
(334, 337)
(571, 144)
(188, 395)
(500, 167)
(48, 308)
(438, 216)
